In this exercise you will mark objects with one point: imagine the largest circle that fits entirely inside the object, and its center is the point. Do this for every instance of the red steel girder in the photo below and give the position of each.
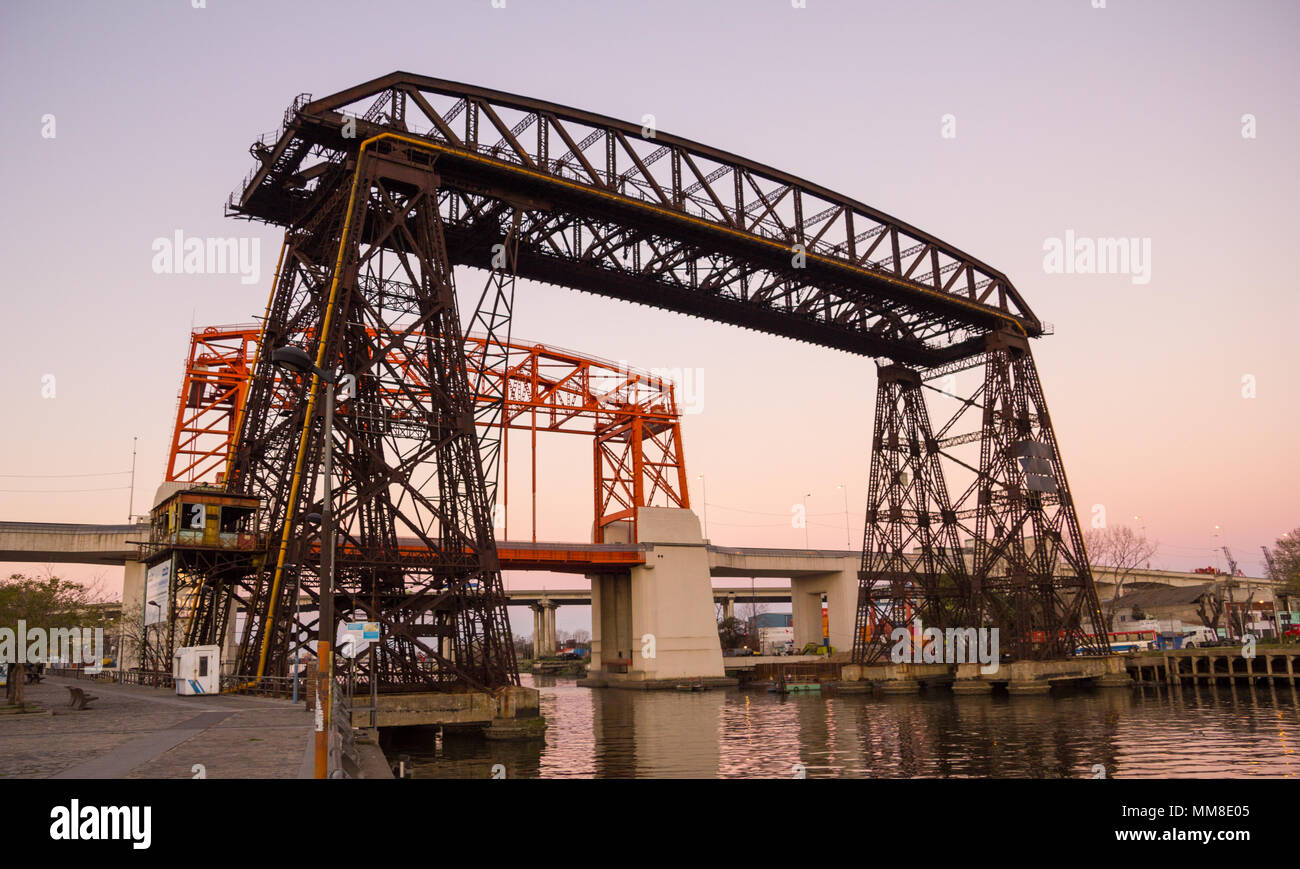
(631, 415)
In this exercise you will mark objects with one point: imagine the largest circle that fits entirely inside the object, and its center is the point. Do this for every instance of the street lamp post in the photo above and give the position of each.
(298, 360)
(158, 606)
(704, 491)
(806, 496)
(848, 541)
(130, 510)
(1227, 583)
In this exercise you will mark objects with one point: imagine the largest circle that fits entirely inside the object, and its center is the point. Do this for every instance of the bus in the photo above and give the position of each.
(1123, 642)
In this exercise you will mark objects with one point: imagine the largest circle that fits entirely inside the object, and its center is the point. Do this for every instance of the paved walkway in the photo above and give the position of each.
(136, 732)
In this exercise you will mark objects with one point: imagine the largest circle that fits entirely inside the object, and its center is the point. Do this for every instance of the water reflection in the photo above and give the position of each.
(1204, 731)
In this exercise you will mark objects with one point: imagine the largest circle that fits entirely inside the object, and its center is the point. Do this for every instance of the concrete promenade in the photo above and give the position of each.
(139, 732)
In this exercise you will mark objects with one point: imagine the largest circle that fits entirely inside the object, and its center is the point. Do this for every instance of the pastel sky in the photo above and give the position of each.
(1120, 122)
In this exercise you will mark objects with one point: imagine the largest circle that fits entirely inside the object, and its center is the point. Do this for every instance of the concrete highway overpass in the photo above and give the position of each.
(661, 587)
(66, 543)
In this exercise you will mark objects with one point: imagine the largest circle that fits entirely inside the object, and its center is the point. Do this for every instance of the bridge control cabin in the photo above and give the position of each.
(199, 538)
(206, 518)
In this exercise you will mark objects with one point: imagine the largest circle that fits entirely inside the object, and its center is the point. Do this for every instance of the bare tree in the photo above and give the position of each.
(754, 610)
(1210, 609)
(132, 635)
(1123, 550)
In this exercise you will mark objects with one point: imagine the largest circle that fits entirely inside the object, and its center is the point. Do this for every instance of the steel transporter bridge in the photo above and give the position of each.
(384, 188)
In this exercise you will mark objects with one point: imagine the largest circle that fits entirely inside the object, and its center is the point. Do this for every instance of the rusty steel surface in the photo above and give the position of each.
(366, 288)
(384, 188)
(1025, 570)
(611, 208)
(631, 415)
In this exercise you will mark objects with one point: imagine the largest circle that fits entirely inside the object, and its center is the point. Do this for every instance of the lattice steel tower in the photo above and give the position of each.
(366, 285)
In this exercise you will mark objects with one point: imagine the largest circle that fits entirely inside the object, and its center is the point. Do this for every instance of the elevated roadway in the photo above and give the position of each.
(812, 574)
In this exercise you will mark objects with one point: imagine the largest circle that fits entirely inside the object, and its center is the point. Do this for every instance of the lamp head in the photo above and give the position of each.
(296, 358)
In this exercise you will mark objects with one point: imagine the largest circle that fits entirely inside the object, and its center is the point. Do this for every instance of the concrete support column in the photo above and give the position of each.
(729, 607)
(230, 647)
(446, 645)
(968, 680)
(133, 590)
(841, 590)
(537, 630)
(548, 617)
(660, 615)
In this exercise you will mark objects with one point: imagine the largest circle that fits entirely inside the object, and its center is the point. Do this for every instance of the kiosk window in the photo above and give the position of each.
(193, 516)
(235, 519)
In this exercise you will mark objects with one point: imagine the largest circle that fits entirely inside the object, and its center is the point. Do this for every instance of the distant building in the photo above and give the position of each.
(1171, 606)
(1177, 608)
(776, 641)
(775, 633)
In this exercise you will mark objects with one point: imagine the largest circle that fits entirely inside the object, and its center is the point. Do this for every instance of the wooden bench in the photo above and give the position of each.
(79, 699)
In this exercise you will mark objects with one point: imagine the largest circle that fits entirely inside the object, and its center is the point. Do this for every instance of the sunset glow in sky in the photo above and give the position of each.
(1009, 129)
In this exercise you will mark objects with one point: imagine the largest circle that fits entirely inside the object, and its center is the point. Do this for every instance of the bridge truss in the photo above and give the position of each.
(1006, 550)
(383, 188)
(631, 416)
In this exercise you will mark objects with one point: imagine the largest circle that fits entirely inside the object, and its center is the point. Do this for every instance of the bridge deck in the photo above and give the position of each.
(67, 543)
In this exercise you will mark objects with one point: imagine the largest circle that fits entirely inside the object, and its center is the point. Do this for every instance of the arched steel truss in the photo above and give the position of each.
(630, 212)
(383, 187)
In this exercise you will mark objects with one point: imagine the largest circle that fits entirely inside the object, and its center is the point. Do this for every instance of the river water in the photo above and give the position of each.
(1207, 731)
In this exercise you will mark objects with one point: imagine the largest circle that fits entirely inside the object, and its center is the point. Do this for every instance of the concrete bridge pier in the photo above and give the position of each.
(133, 588)
(230, 647)
(1019, 678)
(653, 625)
(544, 643)
(969, 680)
(839, 588)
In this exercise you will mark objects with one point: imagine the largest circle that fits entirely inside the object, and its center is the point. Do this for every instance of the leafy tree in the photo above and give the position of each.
(732, 633)
(48, 603)
(1286, 560)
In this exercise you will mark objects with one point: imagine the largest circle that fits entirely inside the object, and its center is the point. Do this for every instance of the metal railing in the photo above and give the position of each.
(342, 758)
(147, 678)
(267, 686)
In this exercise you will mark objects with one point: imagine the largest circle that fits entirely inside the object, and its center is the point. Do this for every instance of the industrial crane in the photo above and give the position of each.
(1228, 585)
(1268, 559)
(1274, 574)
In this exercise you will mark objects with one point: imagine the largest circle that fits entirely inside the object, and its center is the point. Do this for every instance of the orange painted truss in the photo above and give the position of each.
(212, 395)
(631, 415)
